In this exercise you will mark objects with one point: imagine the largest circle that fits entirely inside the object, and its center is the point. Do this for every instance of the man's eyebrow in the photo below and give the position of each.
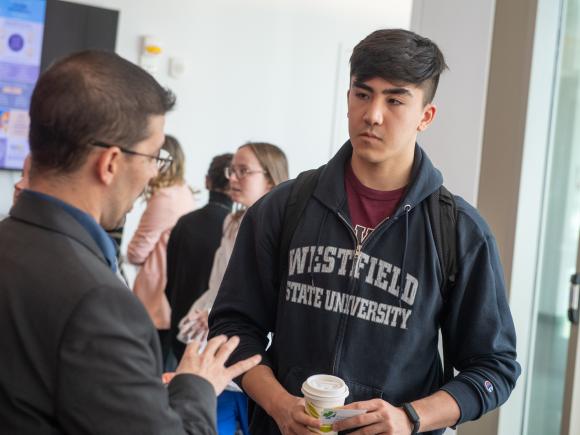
(389, 91)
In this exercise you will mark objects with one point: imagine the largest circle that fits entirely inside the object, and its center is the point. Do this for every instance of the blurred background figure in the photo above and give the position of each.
(256, 168)
(168, 198)
(192, 245)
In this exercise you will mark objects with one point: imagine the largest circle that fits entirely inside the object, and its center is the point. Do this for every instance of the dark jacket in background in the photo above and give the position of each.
(80, 354)
(190, 252)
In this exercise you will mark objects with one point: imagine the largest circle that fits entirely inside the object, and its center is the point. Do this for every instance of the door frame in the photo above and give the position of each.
(571, 406)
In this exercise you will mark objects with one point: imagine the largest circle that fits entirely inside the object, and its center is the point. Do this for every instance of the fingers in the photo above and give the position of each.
(214, 344)
(378, 419)
(204, 318)
(301, 417)
(167, 377)
(368, 405)
(224, 352)
(243, 366)
(357, 421)
(192, 348)
(190, 317)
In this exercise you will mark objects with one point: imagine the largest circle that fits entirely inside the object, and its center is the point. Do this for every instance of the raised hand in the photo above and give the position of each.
(210, 364)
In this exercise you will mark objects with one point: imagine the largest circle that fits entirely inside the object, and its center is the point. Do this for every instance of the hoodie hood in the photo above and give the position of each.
(426, 179)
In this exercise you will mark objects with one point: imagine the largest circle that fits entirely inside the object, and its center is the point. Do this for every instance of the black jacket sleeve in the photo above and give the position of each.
(247, 301)
(477, 328)
(109, 379)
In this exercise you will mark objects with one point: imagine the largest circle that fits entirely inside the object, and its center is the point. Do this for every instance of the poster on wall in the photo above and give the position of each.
(21, 31)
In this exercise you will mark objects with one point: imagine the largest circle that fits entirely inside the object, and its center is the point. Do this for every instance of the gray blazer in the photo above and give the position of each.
(78, 352)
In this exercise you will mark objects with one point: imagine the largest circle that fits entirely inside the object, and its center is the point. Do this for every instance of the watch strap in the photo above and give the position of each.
(413, 417)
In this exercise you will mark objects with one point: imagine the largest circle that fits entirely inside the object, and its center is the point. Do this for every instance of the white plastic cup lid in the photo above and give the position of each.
(325, 387)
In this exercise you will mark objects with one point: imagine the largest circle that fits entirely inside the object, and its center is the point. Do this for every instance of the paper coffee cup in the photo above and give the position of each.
(323, 393)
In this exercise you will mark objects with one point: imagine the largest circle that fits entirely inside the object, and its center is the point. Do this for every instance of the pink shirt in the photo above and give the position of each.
(148, 247)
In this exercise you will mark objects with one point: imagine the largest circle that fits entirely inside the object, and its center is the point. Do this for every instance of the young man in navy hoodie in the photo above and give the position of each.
(362, 298)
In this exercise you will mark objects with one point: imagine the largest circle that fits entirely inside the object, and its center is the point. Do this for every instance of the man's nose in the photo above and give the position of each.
(374, 112)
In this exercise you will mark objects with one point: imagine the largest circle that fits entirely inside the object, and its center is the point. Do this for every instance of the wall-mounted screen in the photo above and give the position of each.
(71, 27)
(21, 32)
(33, 34)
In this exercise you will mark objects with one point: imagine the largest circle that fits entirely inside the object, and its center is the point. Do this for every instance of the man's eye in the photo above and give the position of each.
(362, 96)
(394, 102)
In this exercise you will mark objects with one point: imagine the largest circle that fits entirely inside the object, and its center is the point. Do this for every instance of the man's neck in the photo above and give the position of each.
(67, 191)
(390, 174)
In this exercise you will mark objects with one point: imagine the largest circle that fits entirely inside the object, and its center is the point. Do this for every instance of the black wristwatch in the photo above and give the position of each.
(413, 417)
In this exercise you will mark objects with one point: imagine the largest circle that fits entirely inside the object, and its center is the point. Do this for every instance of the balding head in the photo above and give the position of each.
(90, 96)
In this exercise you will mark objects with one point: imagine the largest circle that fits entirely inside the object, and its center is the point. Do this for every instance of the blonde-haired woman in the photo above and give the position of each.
(168, 198)
(256, 168)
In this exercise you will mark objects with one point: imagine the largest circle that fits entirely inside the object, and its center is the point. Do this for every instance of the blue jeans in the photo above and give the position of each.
(232, 410)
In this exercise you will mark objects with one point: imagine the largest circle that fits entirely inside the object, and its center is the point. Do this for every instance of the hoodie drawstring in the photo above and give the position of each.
(407, 209)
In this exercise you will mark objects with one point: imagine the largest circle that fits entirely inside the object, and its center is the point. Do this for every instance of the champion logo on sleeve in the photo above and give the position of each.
(488, 386)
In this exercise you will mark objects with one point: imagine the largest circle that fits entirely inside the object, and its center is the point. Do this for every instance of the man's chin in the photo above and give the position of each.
(122, 221)
(115, 225)
(368, 154)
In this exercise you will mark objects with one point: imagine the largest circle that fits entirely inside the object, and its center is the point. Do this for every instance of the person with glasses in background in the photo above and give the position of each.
(168, 198)
(256, 168)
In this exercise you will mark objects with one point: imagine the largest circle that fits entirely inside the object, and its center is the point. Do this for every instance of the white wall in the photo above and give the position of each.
(463, 31)
(256, 70)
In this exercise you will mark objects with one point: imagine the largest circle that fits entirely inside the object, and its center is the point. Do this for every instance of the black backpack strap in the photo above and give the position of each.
(443, 214)
(300, 194)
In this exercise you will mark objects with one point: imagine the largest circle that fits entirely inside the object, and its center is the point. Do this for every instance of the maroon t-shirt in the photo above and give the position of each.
(368, 207)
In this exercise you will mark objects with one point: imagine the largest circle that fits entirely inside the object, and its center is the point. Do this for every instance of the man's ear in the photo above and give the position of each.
(347, 97)
(428, 116)
(108, 165)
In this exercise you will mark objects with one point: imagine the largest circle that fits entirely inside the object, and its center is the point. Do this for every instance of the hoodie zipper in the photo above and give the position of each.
(343, 318)
(356, 258)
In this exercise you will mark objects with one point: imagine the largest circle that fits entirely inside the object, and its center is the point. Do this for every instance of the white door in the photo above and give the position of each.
(553, 388)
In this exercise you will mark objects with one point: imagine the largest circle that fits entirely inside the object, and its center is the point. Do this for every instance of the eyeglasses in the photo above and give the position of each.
(240, 172)
(163, 159)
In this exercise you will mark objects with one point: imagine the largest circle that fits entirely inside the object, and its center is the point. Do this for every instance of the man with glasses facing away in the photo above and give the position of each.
(80, 354)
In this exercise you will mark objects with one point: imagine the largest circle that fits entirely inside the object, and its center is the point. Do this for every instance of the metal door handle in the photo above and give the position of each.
(573, 308)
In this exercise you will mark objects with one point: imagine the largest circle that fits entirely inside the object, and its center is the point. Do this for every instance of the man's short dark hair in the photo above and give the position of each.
(91, 96)
(399, 56)
(216, 172)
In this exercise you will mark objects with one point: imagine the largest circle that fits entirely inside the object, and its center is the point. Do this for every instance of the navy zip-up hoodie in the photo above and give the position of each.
(370, 312)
